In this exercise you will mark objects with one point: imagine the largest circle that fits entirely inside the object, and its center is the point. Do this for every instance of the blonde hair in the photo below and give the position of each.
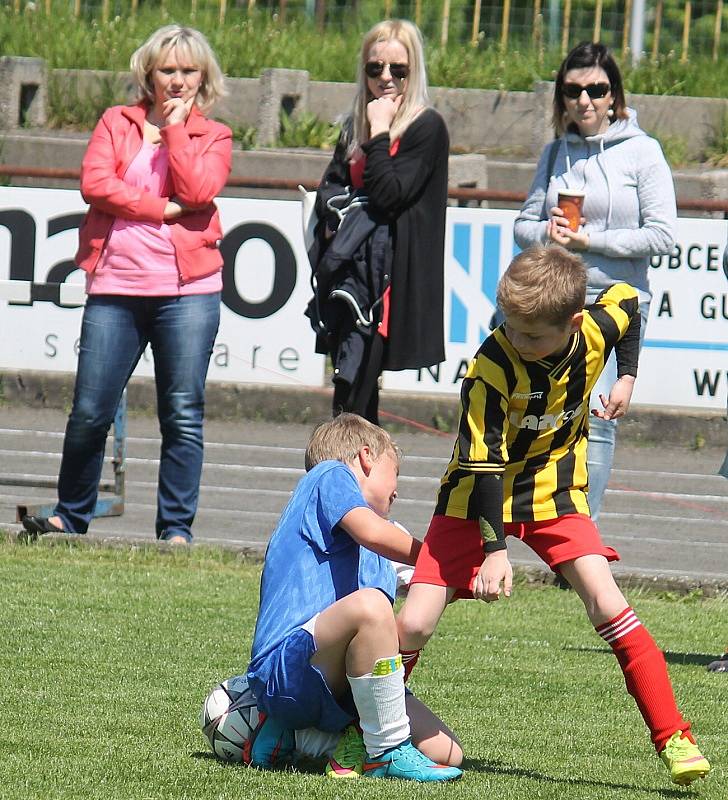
(341, 439)
(415, 96)
(194, 46)
(546, 282)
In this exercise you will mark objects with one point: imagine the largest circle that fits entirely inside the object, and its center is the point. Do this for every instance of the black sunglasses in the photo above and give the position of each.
(594, 90)
(375, 68)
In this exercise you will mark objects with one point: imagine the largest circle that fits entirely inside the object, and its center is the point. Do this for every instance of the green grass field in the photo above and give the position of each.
(107, 653)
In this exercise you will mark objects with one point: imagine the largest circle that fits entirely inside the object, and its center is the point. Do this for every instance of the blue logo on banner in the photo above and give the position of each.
(490, 259)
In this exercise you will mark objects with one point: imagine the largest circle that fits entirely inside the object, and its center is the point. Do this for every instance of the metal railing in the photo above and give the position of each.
(459, 193)
(109, 504)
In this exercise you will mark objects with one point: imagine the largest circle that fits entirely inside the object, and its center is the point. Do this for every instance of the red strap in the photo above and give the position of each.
(383, 329)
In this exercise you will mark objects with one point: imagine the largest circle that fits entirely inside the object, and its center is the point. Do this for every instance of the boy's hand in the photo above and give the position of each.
(495, 568)
(618, 403)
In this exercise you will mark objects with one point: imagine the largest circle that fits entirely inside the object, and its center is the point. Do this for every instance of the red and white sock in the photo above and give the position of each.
(409, 659)
(645, 673)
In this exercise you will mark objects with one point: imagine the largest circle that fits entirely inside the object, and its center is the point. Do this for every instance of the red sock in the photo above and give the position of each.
(645, 673)
(409, 659)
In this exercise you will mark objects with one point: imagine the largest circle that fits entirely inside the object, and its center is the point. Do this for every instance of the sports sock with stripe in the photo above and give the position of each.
(645, 673)
(409, 659)
(379, 699)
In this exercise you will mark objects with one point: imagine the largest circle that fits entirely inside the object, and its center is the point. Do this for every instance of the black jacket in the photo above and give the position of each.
(410, 191)
(350, 273)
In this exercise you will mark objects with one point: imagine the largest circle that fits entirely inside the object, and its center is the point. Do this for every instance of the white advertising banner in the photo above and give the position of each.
(684, 361)
(265, 338)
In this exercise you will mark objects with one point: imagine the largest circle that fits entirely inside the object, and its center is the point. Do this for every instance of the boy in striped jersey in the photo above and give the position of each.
(519, 468)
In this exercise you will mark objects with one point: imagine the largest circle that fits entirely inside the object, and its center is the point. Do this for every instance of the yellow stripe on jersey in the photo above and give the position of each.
(529, 420)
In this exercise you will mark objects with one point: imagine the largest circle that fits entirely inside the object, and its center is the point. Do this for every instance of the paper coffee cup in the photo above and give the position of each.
(571, 203)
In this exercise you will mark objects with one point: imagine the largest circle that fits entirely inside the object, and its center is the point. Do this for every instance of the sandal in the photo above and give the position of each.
(37, 526)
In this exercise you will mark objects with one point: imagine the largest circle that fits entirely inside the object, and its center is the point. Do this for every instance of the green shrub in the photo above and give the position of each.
(245, 136)
(675, 149)
(69, 107)
(246, 43)
(307, 130)
(717, 153)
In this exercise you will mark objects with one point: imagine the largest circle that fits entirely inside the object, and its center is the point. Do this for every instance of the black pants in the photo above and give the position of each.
(362, 396)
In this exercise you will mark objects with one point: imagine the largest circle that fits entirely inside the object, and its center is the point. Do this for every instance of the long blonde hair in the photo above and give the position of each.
(415, 94)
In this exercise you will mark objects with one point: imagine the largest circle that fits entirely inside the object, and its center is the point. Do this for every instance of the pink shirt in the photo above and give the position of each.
(139, 258)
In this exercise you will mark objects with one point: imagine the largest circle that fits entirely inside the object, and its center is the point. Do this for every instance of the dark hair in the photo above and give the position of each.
(583, 56)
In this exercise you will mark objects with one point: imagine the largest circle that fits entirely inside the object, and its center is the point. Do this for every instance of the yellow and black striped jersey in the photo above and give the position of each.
(529, 421)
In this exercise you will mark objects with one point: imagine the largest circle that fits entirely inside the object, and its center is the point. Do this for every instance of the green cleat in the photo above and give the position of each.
(685, 762)
(349, 755)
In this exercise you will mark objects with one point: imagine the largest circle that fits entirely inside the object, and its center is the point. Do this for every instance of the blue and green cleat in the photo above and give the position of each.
(407, 763)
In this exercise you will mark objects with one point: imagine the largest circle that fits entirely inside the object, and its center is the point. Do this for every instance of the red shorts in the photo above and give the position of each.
(452, 552)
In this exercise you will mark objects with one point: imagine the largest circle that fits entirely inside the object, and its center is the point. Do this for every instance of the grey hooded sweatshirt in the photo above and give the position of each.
(629, 205)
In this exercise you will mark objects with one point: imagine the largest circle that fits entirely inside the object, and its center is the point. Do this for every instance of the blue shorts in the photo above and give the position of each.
(296, 694)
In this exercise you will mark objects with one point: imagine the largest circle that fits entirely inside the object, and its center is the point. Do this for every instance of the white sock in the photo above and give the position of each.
(315, 743)
(379, 699)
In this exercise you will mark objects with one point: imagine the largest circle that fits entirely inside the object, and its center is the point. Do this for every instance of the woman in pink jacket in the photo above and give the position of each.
(150, 245)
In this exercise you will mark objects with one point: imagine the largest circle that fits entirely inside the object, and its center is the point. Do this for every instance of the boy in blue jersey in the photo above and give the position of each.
(325, 651)
(519, 468)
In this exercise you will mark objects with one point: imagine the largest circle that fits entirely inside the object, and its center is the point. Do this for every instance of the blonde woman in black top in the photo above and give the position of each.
(394, 150)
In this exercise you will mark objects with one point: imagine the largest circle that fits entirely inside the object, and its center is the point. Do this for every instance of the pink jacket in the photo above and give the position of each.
(200, 155)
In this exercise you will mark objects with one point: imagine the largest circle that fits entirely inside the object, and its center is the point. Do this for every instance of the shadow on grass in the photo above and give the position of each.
(499, 768)
(308, 766)
(692, 659)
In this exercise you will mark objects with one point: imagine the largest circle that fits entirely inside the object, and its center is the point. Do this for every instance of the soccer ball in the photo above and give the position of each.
(229, 719)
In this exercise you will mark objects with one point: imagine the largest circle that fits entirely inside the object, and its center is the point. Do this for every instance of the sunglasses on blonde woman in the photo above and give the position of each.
(375, 68)
(594, 90)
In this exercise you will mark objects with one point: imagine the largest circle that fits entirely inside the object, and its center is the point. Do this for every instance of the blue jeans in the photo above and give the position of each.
(114, 334)
(602, 432)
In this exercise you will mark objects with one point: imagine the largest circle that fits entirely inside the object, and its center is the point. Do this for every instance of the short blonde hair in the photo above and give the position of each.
(341, 439)
(415, 96)
(546, 282)
(194, 46)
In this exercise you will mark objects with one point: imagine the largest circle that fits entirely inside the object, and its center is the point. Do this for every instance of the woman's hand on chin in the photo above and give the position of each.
(381, 113)
(176, 110)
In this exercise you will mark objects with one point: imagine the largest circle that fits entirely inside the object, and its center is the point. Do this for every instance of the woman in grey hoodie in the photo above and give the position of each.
(628, 213)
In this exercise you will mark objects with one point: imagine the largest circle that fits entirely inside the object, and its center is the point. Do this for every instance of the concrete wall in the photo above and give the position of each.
(479, 120)
(510, 127)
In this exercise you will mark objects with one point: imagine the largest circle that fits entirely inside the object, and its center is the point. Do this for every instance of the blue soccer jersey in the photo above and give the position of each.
(311, 563)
